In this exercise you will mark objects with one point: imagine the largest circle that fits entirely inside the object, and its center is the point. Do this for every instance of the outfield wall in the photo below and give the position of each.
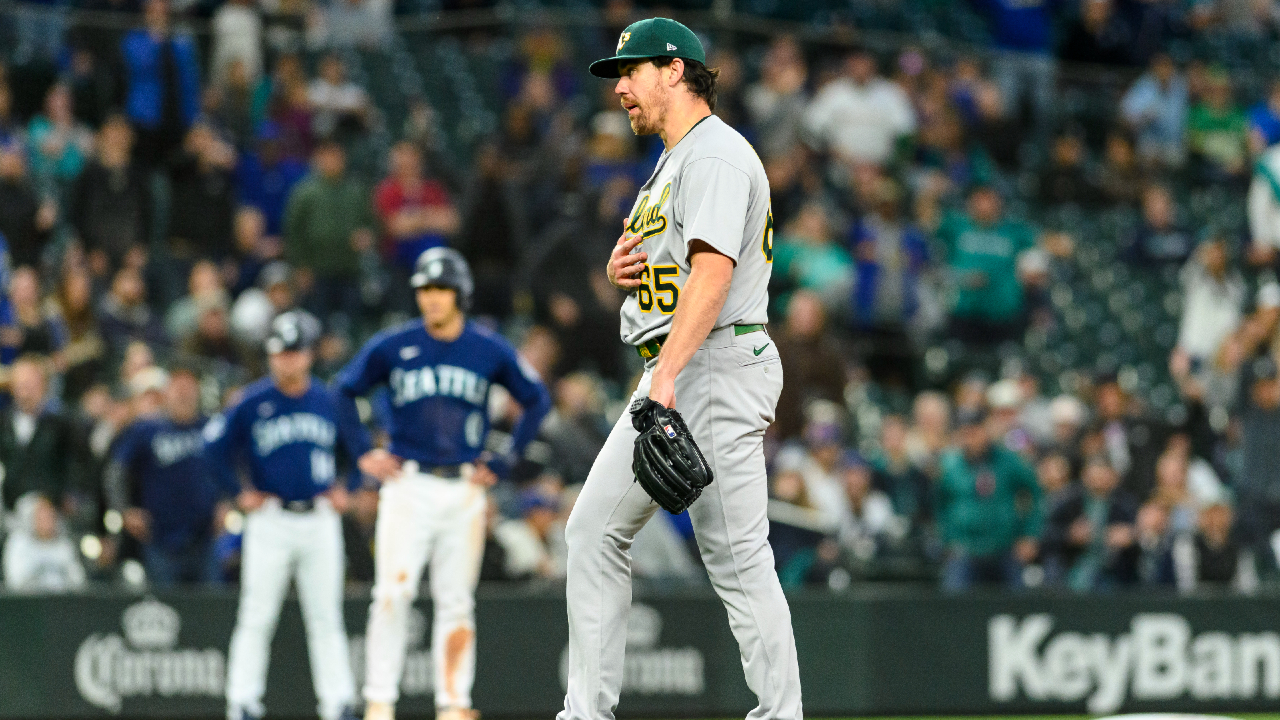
(863, 653)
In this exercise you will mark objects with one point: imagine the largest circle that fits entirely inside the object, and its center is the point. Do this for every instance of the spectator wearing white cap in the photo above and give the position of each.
(1004, 399)
(146, 389)
(1068, 415)
(1033, 272)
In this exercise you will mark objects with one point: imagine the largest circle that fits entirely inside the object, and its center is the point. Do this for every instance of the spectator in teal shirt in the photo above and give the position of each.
(806, 256)
(982, 248)
(988, 510)
(59, 143)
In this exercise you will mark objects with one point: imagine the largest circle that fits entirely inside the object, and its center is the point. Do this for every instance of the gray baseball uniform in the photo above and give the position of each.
(710, 187)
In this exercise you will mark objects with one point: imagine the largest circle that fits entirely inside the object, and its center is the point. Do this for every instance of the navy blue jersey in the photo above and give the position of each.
(164, 471)
(8, 353)
(439, 391)
(289, 445)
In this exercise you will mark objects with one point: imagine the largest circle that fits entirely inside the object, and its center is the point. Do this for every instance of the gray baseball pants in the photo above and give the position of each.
(727, 395)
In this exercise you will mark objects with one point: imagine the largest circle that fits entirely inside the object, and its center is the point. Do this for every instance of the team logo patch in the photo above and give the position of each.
(622, 40)
(409, 352)
(648, 219)
(670, 46)
(670, 431)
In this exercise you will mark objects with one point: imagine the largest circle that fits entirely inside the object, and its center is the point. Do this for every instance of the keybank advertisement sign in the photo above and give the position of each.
(1161, 657)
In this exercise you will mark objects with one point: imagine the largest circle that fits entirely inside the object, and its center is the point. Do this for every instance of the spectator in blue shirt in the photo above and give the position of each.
(1024, 64)
(889, 256)
(1155, 108)
(266, 176)
(162, 81)
(1264, 121)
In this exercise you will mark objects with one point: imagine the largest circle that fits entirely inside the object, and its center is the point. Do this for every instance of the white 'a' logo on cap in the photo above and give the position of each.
(622, 40)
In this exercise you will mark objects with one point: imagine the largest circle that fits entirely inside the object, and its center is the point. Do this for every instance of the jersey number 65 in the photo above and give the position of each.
(657, 288)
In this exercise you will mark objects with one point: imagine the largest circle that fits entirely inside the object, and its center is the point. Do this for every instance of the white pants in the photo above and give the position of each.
(280, 545)
(421, 519)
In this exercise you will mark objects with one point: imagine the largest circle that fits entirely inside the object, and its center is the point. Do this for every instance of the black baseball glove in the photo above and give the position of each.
(666, 461)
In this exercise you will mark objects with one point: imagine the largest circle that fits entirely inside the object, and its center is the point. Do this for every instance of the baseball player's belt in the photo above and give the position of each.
(299, 506)
(649, 350)
(445, 472)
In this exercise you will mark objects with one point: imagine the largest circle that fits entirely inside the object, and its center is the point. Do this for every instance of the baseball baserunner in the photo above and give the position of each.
(439, 370)
(695, 256)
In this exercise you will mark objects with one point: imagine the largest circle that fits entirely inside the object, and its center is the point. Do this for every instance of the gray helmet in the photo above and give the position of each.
(444, 267)
(293, 330)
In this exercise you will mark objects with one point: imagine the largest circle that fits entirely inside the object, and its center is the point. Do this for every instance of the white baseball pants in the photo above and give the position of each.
(421, 519)
(278, 546)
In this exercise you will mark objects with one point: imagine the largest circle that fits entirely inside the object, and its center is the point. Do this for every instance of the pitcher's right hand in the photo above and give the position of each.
(624, 266)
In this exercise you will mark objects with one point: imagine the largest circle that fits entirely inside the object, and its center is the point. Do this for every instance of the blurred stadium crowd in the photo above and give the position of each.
(1024, 285)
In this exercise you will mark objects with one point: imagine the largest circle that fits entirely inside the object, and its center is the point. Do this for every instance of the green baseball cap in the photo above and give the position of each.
(655, 37)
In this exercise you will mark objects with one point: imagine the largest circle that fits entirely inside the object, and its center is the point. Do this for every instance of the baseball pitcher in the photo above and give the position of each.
(695, 255)
(431, 508)
(286, 433)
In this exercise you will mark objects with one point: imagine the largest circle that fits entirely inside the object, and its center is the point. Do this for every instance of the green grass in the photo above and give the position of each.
(1234, 716)
(1245, 716)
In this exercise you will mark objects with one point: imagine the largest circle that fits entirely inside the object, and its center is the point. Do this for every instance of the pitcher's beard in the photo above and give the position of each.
(642, 125)
(647, 122)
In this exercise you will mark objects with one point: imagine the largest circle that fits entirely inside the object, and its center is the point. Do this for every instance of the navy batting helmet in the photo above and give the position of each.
(444, 267)
(293, 330)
